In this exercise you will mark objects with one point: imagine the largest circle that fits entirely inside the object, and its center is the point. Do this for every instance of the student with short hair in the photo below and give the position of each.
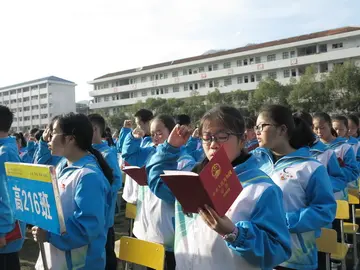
(98, 123)
(251, 141)
(84, 180)
(9, 256)
(308, 198)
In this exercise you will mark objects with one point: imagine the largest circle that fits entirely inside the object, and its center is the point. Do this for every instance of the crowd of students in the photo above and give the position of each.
(292, 168)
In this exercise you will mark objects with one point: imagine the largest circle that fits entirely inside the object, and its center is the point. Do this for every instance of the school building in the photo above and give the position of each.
(241, 68)
(35, 102)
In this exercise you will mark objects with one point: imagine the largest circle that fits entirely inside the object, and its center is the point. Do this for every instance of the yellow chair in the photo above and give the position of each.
(130, 213)
(327, 243)
(342, 213)
(142, 252)
(352, 227)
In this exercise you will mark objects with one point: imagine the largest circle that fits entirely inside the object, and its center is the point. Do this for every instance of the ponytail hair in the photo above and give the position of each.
(298, 131)
(79, 126)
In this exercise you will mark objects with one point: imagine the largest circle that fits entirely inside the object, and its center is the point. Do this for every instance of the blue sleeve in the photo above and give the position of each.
(31, 148)
(350, 169)
(336, 175)
(358, 157)
(264, 240)
(191, 149)
(88, 220)
(321, 207)
(165, 158)
(112, 161)
(123, 133)
(43, 155)
(133, 153)
(26, 158)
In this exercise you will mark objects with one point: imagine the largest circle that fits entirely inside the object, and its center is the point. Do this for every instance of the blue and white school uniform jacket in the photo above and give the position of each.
(111, 158)
(43, 155)
(160, 202)
(195, 149)
(8, 153)
(130, 191)
(308, 201)
(328, 158)
(347, 159)
(85, 196)
(355, 144)
(252, 144)
(263, 241)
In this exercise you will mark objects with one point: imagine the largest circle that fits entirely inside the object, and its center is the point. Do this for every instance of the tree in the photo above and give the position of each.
(116, 120)
(309, 93)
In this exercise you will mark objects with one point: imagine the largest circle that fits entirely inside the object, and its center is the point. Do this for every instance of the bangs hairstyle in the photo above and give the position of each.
(323, 116)
(228, 117)
(167, 120)
(298, 131)
(341, 118)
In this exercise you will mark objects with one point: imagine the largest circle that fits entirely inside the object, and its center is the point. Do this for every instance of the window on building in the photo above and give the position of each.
(258, 77)
(323, 48)
(26, 89)
(175, 89)
(13, 101)
(144, 93)
(186, 87)
(257, 59)
(34, 97)
(27, 108)
(245, 62)
(153, 92)
(191, 87)
(26, 118)
(211, 84)
(143, 79)
(12, 92)
(251, 60)
(271, 57)
(152, 77)
(43, 106)
(20, 119)
(19, 100)
(210, 68)
(44, 116)
(285, 55)
(227, 81)
(202, 85)
(6, 102)
(201, 69)
(6, 93)
(175, 74)
(34, 117)
(165, 75)
(246, 79)
(272, 75)
(227, 65)
(292, 54)
(166, 90)
(34, 87)
(215, 67)
(337, 45)
(42, 96)
(106, 98)
(286, 73)
(19, 91)
(324, 67)
(239, 80)
(43, 85)
(185, 72)
(20, 109)
(252, 78)
(35, 107)
(239, 63)
(216, 83)
(293, 72)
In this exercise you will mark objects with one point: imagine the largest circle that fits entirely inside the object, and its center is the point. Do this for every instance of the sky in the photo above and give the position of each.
(81, 40)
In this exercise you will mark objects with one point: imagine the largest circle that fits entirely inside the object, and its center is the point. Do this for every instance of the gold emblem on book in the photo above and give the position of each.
(216, 170)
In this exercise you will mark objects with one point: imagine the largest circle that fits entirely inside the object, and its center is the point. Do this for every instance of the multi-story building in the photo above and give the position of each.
(83, 107)
(35, 102)
(241, 68)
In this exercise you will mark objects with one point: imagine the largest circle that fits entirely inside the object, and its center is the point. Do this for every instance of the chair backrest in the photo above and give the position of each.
(353, 196)
(327, 242)
(130, 211)
(142, 252)
(342, 210)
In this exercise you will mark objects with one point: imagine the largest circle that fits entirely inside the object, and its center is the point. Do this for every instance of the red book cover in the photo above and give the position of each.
(15, 234)
(217, 185)
(138, 174)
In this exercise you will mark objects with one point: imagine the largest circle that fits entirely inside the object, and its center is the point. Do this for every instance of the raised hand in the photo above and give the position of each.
(138, 133)
(179, 136)
(47, 135)
(195, 133)
(127, 124)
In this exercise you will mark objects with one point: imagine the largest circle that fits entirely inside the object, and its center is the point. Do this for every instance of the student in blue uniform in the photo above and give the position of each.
(251, 141)
(308, 197)
(194, 148)
(354, 124)
(84, 179)
(98, 123)
(155, 215)
(23, 142)
(253, 233)
(9, 257)
(345, 154)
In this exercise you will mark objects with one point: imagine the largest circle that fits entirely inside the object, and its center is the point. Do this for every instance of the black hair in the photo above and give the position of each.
(39, 134)
(108, 130)
(353, 117)
(304, 116)
(249, 123)
(229, 117)
(168, 121)
(17, 137)
(144, 115)
(80, 127)
(341, 118)
(33, 131)
(6, 118)
(99, 121)
(183, 119)
(23, 141)
(298, 131)
(52, 122)
(324, 116)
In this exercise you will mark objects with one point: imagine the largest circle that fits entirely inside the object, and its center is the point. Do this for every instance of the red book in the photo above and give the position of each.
(217, 185)
(15, 234)
(136, 173)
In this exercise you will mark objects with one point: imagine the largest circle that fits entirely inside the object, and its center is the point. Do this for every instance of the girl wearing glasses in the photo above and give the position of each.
(308, 199)
(84, 180)
(253, 233)
(155, 214)
(322, 125)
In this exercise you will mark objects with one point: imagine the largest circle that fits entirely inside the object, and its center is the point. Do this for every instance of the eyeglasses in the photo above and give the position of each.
(260, 127)
(220, 137)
